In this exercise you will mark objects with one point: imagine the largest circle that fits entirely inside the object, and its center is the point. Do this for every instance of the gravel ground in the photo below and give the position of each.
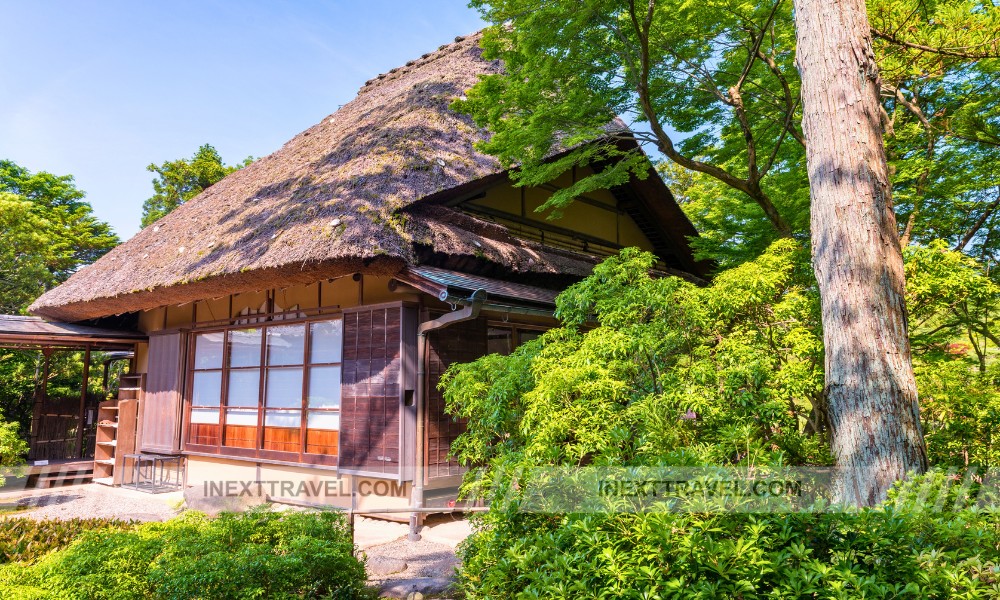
(94, 501)
(423, 558)
(429, 568)
(400, 567)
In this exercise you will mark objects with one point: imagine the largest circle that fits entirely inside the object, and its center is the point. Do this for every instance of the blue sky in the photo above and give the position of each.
(99, 90)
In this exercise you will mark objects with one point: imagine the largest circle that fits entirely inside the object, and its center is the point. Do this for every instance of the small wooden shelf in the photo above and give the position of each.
(116, 430)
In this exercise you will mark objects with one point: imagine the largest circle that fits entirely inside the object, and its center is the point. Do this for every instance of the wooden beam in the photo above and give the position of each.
(551, 187)
(83, 402)
(36, 414)
(541, 226)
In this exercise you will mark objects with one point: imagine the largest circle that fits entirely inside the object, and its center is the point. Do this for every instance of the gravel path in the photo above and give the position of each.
(426, 567)
(94, 501)
(423, 559)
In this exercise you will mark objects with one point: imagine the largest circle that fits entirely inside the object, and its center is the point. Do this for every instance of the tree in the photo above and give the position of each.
(950, 297)
(53, 213)
(47, 232)
(23, 245)
(953, 304)
(871, 392)
(723, 74)
(718, 72)
(940, 93)
(177, 181)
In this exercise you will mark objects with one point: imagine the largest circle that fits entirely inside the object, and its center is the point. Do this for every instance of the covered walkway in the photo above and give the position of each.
(60, 423)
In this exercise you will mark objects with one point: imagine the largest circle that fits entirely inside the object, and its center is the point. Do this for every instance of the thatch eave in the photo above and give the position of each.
(217, 287)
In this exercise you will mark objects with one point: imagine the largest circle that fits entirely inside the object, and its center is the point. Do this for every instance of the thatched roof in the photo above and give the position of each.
(328, 203)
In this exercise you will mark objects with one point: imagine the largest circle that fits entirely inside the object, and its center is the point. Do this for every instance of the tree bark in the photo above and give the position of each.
(870, 389)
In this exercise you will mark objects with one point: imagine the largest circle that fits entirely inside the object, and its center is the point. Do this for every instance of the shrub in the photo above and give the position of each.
(671, 375)
(12, 448)
(876, 553)
(26, 540)
(729, 375)
(261, 554)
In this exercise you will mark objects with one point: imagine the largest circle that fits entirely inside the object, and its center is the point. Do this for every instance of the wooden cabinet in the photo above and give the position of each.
(116, 429)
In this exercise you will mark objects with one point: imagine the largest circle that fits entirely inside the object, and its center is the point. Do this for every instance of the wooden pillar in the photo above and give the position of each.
(106, 381)
(41, 391)
(83, 402)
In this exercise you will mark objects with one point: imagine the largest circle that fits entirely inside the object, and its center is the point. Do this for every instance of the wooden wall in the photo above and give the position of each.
(373, 392)
(461, 342)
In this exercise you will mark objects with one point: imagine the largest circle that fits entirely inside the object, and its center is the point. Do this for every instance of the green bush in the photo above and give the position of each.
(888, 552)
(260, 554)
(672, 374)
(728, 375)
(27, 540)
(13, 449)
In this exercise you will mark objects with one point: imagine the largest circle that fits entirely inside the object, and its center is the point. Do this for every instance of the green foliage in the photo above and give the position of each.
(960, 411)
(26, 540)
(950, 296)
(657, 372)
(670, 373)
(13, 448)
(887, 552)
(712, 86)
(177, 181)
(47, 232)
(260, 554)
(939, 69)
(953, 303)
(22, 253)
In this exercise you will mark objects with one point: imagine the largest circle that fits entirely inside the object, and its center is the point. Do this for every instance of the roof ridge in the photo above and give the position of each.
(398, 72)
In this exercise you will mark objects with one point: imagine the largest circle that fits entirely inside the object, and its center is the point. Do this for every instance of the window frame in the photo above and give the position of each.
(516, 328)
(258, 451)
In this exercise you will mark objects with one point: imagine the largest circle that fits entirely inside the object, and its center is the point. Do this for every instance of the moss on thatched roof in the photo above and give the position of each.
(326, 204)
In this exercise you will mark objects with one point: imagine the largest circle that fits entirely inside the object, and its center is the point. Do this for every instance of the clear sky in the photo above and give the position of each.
(99, 90)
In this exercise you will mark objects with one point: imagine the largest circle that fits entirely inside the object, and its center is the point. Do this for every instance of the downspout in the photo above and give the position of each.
(469, 312)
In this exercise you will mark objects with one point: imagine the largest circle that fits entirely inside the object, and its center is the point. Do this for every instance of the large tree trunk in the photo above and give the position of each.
(870, 389)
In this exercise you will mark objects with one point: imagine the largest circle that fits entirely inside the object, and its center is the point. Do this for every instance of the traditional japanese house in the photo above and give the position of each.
(297, 315)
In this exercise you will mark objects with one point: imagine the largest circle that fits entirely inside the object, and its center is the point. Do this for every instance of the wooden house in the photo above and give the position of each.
(297, 315)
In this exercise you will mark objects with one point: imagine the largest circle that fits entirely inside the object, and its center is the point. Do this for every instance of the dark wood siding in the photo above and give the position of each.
(461, 342)
(161, 401)
(374, 390)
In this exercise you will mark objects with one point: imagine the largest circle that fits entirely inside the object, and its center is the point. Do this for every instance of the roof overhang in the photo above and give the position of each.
(33, 333)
